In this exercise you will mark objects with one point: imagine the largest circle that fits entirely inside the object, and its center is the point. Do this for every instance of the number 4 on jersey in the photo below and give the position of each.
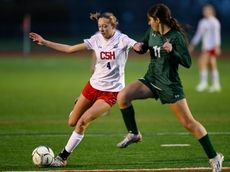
(109, 65)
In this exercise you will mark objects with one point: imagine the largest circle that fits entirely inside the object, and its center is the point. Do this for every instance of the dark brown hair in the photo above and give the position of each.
(162, 12)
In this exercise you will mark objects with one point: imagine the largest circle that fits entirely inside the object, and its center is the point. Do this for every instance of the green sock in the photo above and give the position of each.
(129, 119)
(207, 146)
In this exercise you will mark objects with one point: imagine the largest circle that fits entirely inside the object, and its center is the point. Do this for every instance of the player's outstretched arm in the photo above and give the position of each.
(57, 46)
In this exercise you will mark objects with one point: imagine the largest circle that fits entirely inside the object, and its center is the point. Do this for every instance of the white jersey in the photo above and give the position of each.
(111, 57)
(209, 31)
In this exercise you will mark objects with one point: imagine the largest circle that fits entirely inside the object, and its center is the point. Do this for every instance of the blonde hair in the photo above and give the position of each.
(96, 16)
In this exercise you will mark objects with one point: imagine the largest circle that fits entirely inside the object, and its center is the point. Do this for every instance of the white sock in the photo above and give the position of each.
(203, 76)
(215, 78)
(73, 141)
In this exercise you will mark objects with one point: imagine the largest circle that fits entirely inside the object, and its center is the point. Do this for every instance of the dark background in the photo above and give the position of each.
(69, 19)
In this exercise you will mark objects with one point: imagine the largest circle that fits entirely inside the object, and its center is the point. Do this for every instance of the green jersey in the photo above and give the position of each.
(162, 71)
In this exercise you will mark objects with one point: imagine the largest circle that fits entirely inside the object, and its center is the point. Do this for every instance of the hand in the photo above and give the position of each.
(167, 46)
(138, 46)
(37, 38)
(218, 51)
(190, 48)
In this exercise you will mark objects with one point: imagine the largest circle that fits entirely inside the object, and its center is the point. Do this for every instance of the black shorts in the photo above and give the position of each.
(166, 94)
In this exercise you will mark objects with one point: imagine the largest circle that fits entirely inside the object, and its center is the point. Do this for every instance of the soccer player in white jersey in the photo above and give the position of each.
(100, 93)
(208, 32)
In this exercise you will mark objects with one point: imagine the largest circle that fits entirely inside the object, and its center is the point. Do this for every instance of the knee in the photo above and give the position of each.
(81, 126)
(190, 125)
(71, 122)
(123, 99)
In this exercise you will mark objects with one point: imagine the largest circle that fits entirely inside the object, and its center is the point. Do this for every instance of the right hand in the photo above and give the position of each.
(218, 51)
(37, 38)
(138, 46)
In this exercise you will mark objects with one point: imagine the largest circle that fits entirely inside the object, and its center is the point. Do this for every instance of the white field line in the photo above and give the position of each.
(145, 170)
(104, 134)
(175, 145)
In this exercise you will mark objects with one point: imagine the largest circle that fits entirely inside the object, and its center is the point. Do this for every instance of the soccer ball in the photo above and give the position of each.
(42, 156)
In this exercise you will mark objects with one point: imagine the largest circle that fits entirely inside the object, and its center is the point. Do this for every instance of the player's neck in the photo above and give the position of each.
(164, 29)
(111, 35)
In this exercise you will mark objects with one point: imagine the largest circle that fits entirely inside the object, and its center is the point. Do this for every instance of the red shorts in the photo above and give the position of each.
(93, 94)
(211, 52)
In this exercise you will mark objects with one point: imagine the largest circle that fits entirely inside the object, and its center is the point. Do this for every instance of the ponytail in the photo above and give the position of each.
(162, 12)
(174, 24)
(107, 15)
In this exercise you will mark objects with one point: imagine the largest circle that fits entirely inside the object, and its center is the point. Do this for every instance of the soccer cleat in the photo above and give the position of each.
(214, 88)
(202, 87)
(129, 139)
(216, 163)
(58, 162)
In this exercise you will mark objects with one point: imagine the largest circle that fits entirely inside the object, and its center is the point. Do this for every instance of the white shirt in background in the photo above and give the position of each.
(209, 32)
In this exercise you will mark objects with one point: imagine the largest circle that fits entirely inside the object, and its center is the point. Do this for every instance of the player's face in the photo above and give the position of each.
(154, 23)
(105, 27)
(208, 11)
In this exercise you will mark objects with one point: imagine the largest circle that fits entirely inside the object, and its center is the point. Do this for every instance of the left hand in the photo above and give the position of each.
(167, 46)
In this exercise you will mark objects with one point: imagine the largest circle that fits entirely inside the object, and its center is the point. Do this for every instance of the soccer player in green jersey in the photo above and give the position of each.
(167, 45)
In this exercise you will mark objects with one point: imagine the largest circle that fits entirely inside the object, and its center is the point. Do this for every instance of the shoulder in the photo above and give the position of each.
(215, 20)
(177, 36)
(203, 22)
(97, 36)
(149, 32)
(121, 36)
(176, 33)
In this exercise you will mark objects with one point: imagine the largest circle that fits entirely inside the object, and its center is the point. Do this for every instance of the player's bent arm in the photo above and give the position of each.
(199, 33)
(181, 53)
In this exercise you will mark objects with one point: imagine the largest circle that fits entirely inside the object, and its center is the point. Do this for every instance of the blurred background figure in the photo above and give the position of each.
(208, 32)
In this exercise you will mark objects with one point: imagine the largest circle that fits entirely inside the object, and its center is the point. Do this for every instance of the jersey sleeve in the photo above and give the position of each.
(199, 32)
(90, 43)
(128, 42)
(217, 38)
(180, 51)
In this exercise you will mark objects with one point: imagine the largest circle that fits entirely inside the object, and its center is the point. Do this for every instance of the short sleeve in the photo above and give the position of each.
(129, 42)
(90, 43)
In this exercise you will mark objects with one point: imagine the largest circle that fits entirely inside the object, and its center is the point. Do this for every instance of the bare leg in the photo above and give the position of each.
(81, 121)
(185, 117)
(135, 90)
(203, 72)
(95, 111)
(215, 76)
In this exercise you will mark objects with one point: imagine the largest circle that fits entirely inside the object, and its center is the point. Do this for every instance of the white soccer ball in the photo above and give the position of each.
(42, 156)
